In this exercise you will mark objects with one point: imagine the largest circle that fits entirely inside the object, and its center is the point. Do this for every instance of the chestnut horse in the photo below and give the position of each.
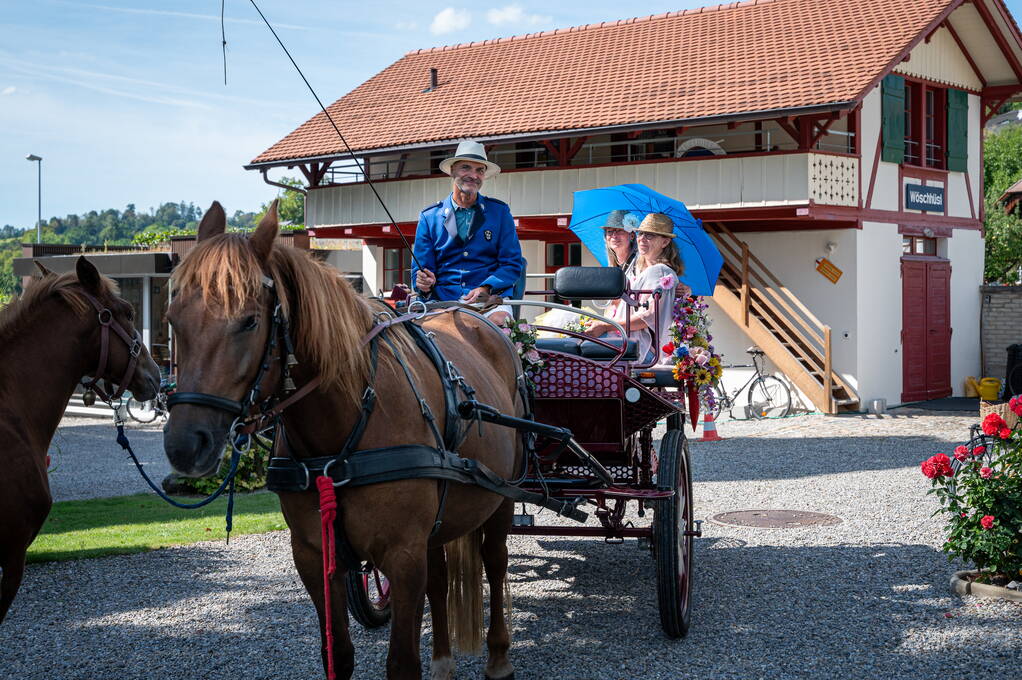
(50, 338)
(222, 316)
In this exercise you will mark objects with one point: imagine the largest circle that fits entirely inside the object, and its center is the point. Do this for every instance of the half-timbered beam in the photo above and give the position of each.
(995, 31)
(961, 46)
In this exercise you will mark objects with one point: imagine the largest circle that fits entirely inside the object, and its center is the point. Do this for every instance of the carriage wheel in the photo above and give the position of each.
(369, 597)
(672, 536)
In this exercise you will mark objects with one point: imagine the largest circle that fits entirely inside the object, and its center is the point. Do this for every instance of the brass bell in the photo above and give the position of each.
(88, 397)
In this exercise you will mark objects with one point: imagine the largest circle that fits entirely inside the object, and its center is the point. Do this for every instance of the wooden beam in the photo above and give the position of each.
(995, 31)
(786, 125)
(961, 46)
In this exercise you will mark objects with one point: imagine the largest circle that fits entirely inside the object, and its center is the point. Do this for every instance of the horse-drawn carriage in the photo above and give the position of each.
(611, 402)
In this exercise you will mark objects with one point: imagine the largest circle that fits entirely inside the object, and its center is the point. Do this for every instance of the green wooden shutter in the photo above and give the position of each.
(957, 130)
(892, 89)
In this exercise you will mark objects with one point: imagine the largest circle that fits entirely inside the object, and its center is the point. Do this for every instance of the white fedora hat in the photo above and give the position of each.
(470, 151)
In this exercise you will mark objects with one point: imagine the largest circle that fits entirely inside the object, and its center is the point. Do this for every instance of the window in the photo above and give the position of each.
(911, 146)
(563, 255)
(918, 245)
(397, 267)
(935, 127)
(924, 125)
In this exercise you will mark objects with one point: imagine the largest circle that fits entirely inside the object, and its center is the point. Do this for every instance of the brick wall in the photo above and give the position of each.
(1002, 326)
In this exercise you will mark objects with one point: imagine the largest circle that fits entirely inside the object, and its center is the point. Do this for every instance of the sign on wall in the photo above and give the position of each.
(928, 199)
(828, 269)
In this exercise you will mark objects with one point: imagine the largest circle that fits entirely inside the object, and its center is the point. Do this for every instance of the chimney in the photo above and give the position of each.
(433, 80)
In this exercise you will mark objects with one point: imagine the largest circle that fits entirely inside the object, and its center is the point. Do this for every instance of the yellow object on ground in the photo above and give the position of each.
(989, 388)
(971, 387)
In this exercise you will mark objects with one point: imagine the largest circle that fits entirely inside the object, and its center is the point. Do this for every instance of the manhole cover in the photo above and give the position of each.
(775, 519)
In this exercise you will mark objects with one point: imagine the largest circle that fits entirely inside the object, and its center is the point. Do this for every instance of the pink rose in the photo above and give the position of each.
(532, 355)
(666, 281)
(525, 328)
(985, 472)
(505, 330)
(987, 522)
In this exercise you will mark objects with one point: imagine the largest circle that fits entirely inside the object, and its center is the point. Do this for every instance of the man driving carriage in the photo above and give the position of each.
(466, 247)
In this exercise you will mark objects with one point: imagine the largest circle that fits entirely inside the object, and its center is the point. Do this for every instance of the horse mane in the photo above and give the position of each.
(327, 318)
(17, 312)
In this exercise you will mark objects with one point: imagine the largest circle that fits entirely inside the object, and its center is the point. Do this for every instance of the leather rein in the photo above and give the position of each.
(133, 343)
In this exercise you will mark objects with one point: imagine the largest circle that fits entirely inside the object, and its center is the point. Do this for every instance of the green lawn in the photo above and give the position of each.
(130, 524)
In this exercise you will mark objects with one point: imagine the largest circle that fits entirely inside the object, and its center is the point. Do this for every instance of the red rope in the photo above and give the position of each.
(328, 513)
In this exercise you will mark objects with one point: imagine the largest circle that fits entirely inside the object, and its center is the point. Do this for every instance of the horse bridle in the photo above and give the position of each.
(133, 342)
(240, 409)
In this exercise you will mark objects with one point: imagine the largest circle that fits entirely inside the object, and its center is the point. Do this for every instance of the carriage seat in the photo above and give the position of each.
(589, 283)
(588, 348)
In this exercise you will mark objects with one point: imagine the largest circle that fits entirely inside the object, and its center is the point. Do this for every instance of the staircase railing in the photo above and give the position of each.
(775, 309)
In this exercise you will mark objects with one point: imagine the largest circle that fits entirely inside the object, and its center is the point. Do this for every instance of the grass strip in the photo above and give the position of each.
(132, 524)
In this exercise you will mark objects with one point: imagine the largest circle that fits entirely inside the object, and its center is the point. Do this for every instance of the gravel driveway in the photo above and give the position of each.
(866, 598)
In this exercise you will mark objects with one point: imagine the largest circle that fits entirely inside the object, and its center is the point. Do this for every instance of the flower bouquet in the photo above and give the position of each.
(690, 349)
(980, 492)
(523, 337)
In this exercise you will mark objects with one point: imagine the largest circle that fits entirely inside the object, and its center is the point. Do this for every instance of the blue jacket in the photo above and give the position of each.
(491, 257)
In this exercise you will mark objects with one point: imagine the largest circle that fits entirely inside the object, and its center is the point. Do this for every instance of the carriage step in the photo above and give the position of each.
(698, 531)
(523, 520)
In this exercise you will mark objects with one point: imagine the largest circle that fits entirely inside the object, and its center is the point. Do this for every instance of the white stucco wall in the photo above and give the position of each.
(878, 311)
(372, 269)
(965, 250)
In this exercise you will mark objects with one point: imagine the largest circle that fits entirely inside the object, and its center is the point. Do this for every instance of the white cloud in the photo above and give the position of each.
(514, 14)
(7, 90)
(449, 20)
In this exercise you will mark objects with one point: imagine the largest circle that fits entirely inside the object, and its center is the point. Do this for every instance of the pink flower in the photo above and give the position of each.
(505, 330)
(518, 346)
(987, 522)
(532, 355)
(985, 472)
(525, 328)
(666, 281)
(937, 466)
(962, 453)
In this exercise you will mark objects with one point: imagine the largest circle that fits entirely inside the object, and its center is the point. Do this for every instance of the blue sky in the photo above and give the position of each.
(126, 103)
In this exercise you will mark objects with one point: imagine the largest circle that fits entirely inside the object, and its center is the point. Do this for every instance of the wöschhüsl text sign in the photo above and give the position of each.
(928, 199)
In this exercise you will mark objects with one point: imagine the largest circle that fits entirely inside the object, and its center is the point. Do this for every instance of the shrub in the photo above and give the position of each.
(980, 492)
(251, 471)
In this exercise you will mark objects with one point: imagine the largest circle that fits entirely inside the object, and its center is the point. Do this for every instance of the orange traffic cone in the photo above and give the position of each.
(710, 430)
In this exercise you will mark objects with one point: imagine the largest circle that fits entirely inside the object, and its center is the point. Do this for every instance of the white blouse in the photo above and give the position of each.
(650, 279)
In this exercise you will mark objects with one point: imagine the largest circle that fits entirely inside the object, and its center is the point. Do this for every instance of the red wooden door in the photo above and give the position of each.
(926, 329)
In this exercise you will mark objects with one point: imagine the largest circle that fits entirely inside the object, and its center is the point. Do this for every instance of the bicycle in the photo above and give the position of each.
(768, 396)
(149, 410)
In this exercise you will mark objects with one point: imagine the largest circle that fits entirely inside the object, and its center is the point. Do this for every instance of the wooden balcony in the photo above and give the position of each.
(715, 182)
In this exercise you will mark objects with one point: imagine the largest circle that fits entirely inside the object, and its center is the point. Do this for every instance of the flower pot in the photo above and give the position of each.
(962, 584)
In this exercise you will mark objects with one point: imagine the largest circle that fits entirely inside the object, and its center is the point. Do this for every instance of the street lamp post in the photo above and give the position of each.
(39, 207)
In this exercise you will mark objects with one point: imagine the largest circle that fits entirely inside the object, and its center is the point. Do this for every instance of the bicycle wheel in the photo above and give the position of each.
(768, 398)
(142, 411)
(719, 401)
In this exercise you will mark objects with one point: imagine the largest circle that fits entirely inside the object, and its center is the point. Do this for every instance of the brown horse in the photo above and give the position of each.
(222, 314)
(50, 338)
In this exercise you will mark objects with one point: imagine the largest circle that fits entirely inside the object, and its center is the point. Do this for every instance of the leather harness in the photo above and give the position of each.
(359, 467)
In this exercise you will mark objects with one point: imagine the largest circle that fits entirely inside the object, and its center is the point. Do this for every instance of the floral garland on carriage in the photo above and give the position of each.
(690, 350)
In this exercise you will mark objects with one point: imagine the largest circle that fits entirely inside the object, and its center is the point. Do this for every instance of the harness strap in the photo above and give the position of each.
(413, 461)
(427, 413)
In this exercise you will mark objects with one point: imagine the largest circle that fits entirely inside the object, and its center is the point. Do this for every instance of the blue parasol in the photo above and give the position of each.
(698, 252)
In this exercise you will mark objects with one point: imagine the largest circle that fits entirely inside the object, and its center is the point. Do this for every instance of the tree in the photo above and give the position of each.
(1002, 167)
(290, 204)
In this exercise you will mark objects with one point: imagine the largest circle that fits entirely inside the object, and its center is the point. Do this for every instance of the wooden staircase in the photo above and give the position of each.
(778, 323)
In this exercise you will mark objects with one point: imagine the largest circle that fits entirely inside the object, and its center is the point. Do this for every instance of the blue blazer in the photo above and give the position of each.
(491, 256)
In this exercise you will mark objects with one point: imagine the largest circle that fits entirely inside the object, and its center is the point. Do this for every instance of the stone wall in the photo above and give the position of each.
(1002, 326)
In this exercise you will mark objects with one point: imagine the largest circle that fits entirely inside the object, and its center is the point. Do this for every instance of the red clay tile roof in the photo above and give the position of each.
(738, 58)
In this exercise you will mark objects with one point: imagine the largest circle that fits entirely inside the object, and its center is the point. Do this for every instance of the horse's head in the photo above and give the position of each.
(222, 314)
(124, 360)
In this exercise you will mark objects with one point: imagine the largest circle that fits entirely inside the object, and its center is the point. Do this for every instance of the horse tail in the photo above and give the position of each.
(465, 593)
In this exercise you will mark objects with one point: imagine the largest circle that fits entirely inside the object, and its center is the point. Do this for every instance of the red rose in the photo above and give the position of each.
(1015, 404)
(979, 451)
(993, 423)
(962, 453)
(668, 348)
(987, 522)
(1004, 433)
(943, 465)
(985, 472)
(928, 468)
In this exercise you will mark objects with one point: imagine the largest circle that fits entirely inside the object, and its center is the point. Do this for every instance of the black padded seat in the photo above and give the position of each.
(589, 283)
(592, 350)
(566, 345)
(657, 376)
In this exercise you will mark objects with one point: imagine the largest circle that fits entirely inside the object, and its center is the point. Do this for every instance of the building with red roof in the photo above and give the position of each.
(832, 148)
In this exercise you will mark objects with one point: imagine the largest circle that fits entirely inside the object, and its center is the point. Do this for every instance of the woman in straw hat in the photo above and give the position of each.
(656, 266)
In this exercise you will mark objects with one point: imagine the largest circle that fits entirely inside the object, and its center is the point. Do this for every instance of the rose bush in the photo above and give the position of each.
(980, 496)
